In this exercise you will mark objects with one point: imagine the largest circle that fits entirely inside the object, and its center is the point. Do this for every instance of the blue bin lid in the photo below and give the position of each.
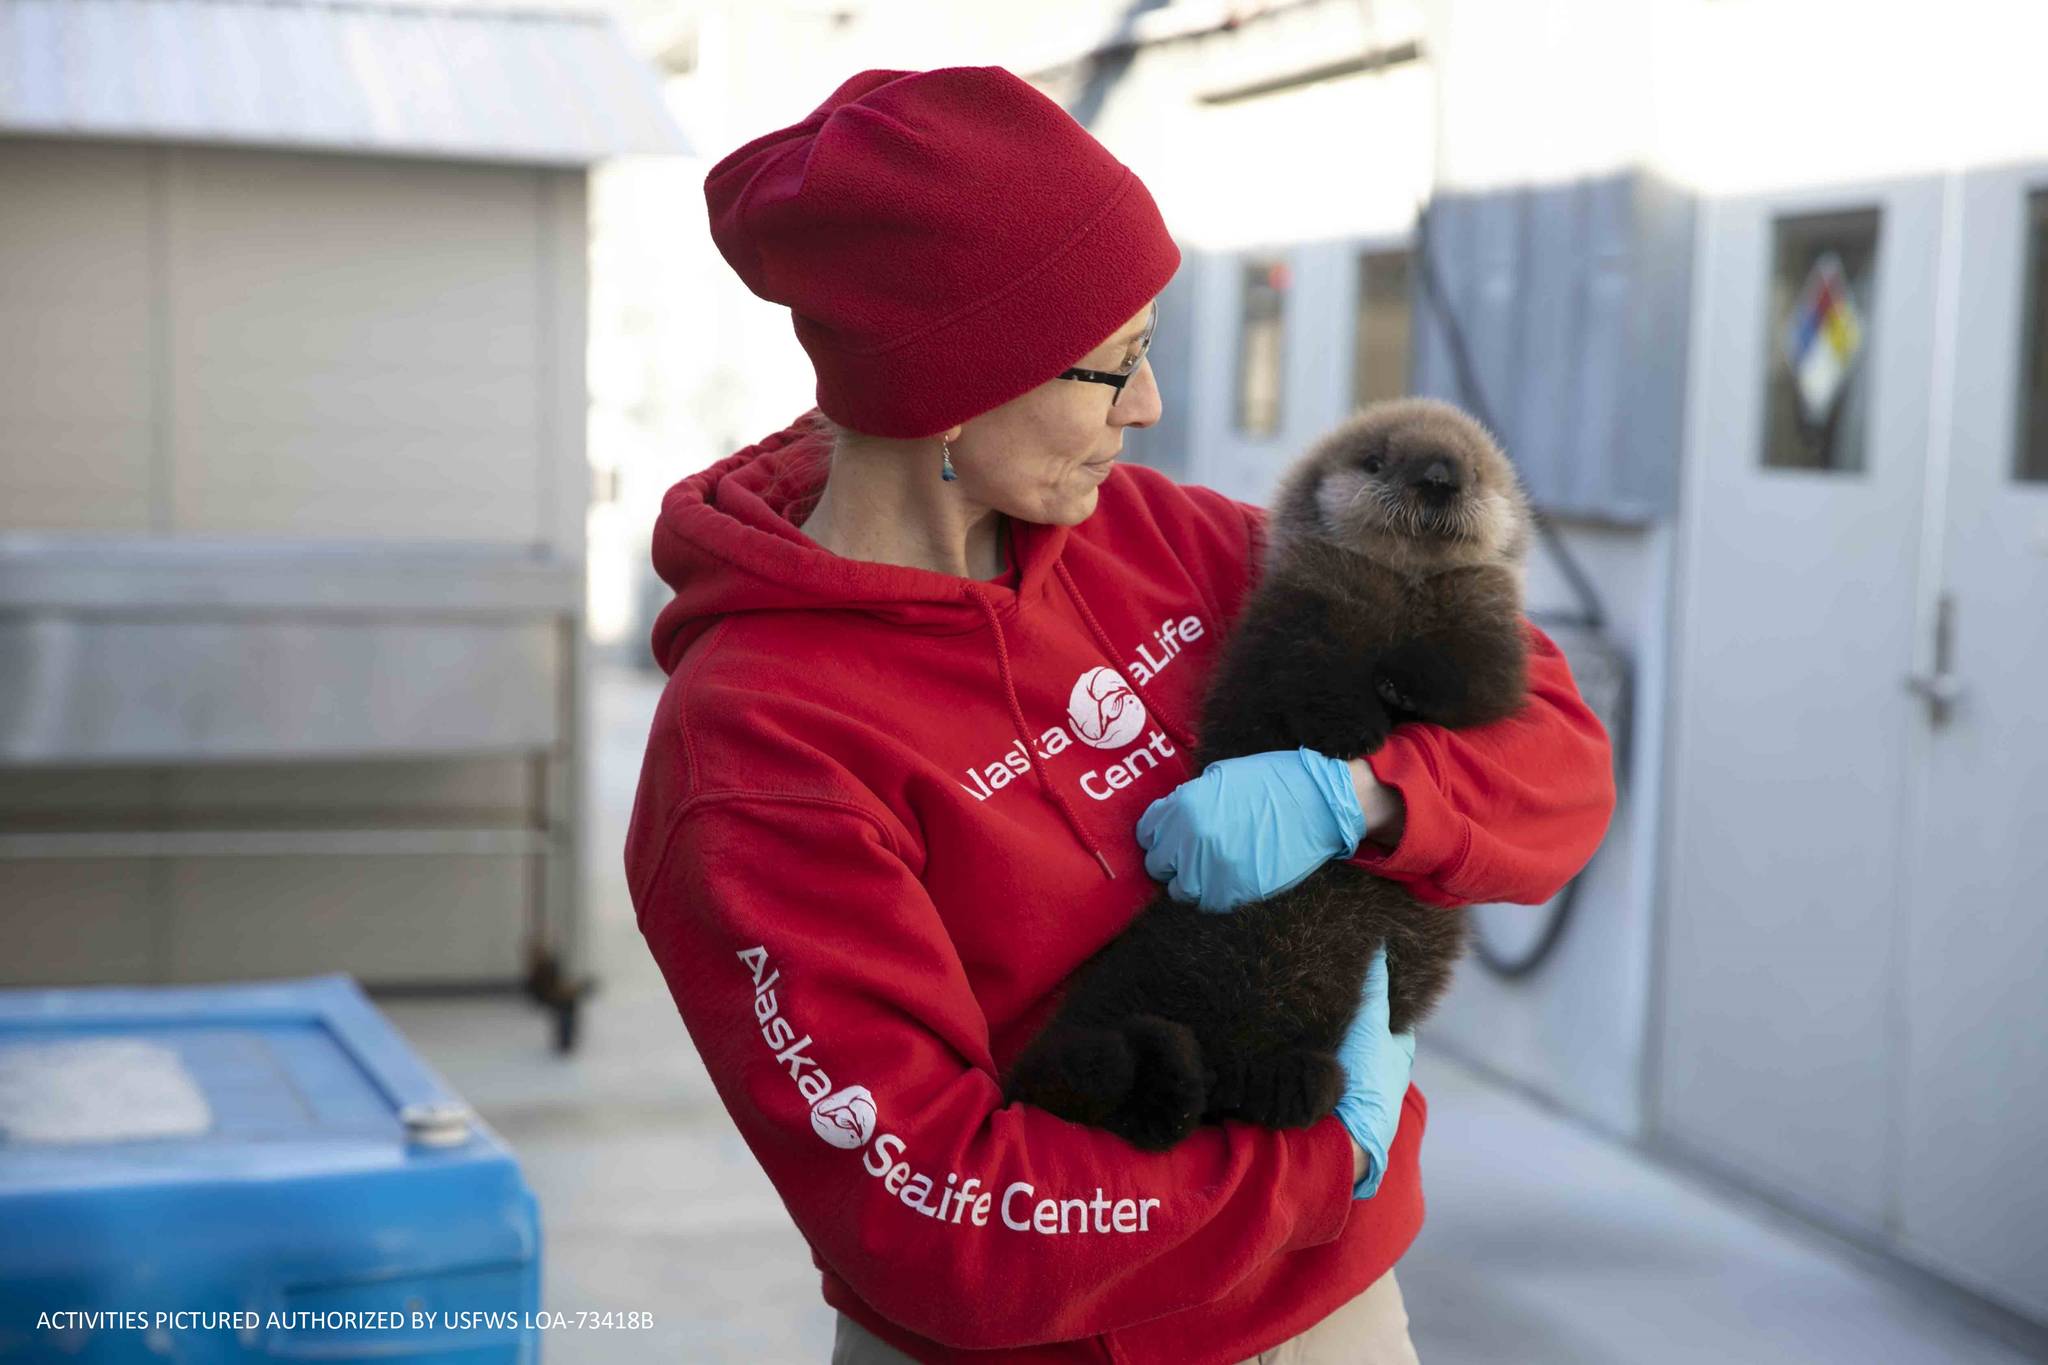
(277, 1077)
(235, 1104)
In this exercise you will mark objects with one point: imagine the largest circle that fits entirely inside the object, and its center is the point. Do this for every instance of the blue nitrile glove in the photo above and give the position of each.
(1376, 1066)
(1251, 827)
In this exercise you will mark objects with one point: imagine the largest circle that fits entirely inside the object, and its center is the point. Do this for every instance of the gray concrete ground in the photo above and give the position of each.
(1544, 1242)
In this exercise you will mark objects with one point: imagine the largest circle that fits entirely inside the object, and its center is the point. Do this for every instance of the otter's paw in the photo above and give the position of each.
(1394, 696)
(1169, 1085)
(1342, 725)
(1291, 1089)
(1079, 1074)
(1368, 732)
(1422, 681)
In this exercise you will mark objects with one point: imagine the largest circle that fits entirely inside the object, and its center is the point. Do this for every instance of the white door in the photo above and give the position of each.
(1779, 1052)
(1855, 957)
(1973, 1199)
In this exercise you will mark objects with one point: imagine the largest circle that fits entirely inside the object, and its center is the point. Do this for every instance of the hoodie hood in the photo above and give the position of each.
(727, 541)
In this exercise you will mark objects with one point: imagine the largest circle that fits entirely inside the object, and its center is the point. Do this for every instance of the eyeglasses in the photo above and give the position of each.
(1116, 379)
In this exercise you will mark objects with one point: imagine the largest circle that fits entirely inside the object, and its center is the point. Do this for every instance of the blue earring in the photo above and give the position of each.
(946, 462)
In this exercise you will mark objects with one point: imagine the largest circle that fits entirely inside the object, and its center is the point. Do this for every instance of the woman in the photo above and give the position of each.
(933, 655)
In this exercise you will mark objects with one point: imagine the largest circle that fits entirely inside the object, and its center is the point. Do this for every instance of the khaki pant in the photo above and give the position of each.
(1371, 1329)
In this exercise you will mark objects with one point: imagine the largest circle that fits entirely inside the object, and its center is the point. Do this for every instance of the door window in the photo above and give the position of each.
(2031, 463)
(1263, 289)
(1379, 366)
(1817, 345)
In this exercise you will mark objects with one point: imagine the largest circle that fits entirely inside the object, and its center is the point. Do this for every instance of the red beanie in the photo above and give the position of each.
(945, 240)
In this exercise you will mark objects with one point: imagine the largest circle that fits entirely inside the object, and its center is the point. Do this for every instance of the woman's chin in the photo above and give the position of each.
(1082, 505)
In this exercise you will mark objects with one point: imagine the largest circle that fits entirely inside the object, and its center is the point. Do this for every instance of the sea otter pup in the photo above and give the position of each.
(1391, 590)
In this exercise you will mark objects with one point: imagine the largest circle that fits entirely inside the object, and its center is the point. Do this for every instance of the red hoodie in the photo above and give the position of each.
(885, 812)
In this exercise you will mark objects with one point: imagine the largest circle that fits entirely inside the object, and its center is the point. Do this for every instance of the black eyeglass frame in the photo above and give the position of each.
(1114, 379)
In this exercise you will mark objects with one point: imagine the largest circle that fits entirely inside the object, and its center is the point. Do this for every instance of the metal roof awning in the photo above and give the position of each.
(532, 86)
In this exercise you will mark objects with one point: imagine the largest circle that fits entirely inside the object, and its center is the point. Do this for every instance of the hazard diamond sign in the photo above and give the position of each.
(1823, 338)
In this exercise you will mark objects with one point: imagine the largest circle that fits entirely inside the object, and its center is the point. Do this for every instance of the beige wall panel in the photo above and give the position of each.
(264, 231)
(352, 484)
(565, 502)
(74, 219)
(76, 387)
(73, 476)
(386, 919)
(242, 342)
(77, 922)
(469, 401)
(400, 325)
(359, 346)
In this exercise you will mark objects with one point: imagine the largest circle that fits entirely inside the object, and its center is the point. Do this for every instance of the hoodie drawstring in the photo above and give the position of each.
(1017, 719)
(1178, 731)
(1181, 734)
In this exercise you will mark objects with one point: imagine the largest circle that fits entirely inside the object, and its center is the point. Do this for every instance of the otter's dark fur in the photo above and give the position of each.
(1391, 590)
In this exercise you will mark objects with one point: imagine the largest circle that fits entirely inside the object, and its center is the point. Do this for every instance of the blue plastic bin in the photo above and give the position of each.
(273, 1155)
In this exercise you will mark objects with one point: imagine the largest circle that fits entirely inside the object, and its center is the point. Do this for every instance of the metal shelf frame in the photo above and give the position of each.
(118, 651)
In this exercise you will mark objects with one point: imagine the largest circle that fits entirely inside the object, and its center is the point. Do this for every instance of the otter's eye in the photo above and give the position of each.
(1372, 464)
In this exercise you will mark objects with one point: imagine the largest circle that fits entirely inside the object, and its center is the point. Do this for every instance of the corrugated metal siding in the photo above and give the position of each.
(537, 87)
(1573, 301)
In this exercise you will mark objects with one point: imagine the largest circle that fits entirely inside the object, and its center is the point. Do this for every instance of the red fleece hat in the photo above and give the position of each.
(945, 240)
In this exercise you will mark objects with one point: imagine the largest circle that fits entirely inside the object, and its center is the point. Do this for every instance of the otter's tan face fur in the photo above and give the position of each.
(1412, 483)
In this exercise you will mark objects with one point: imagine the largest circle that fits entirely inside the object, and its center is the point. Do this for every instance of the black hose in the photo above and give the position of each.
(1592, 614)
(1510, 968)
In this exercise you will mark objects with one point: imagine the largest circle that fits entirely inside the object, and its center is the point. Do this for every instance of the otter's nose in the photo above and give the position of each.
(1435, 479)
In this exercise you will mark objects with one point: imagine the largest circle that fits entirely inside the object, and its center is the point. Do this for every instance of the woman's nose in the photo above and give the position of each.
(1139, 404)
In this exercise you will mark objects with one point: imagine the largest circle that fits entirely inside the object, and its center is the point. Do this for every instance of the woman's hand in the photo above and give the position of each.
(1251, 827)
(1376, 1067)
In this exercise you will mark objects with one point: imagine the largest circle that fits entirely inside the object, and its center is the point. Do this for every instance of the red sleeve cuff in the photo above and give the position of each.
(1434, 838)
(1329, 1152)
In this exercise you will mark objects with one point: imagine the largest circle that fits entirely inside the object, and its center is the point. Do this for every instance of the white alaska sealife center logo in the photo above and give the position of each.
(1103, 709)
(845, 1119)
(1103, 712)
